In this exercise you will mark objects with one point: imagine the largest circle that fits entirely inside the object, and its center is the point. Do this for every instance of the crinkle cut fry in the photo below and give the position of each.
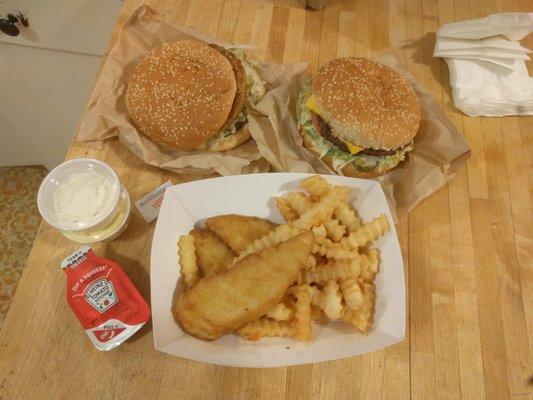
(187, 259)
(311, 263)
(265, 327)
(363, 317)
(367, 233)
(285, 209)
(334, 270)
(281, 312)
(323, 209)
(329, 299)
(302, 314)
(348, 217)
(299, 202)
(352, 293)
(279, 235)
(316, 186)
(371, 268)
(325, 247)
(334, 229)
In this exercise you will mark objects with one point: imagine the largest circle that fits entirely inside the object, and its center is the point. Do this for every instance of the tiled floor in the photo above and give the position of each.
(19, 221)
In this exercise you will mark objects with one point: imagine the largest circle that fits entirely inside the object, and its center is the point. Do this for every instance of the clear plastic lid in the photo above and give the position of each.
(79, 194)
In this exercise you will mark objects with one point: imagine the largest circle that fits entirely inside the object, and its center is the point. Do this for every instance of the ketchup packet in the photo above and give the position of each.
(108, 306)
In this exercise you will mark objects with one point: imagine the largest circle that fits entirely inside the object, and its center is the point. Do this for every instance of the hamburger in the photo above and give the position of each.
(358, 116)
(190, 95)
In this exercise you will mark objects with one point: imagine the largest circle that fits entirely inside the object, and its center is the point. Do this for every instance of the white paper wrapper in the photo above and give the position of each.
(189, 204)
(106, 115)
(439, 151)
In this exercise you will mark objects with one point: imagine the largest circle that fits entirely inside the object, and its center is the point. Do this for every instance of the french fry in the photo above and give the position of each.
(279, 235)
(333, 250)
(352, 293)
(299, 202)
(367, 233)
(322, 210)
(325, 247)
(302, 314)
(348, 217)
(281, 313)
(265, 327)
(333, 270)
(187, 261)
(319, 232)
(285, 209)
(316, 313)
(370, 269)
(334, 230)
(329, 299)
(316, 186)
(363, 317)
(311, 263)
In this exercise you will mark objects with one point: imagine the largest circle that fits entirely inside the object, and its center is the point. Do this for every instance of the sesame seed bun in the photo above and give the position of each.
(367, 103)
(181, 94)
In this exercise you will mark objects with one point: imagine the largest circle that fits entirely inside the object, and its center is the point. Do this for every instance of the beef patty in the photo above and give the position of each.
(324, 130)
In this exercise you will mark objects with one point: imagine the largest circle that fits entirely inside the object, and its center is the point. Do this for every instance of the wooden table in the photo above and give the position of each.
(467, 249)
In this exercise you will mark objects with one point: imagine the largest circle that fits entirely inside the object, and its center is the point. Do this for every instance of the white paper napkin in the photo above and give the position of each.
(488, 73)
(513, 26)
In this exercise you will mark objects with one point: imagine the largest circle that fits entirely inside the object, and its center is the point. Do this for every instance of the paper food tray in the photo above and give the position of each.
(188, 204)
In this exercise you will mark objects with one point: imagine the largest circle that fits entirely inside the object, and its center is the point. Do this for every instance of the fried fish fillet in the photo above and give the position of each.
(222, 303)
(212, 255)
(238, 231)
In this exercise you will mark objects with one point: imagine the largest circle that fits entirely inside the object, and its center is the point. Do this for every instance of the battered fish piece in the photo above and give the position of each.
(212, 255)
(222, 303)
(238, 231)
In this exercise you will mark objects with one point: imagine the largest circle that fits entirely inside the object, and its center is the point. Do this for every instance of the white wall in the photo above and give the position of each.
(47, 74)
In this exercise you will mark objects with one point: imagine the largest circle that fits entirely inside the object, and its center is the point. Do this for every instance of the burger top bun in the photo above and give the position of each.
(367, 103)
(181, 94)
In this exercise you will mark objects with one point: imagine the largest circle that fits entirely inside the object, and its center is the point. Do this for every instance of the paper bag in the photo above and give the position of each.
(106, 115)
(439, 151)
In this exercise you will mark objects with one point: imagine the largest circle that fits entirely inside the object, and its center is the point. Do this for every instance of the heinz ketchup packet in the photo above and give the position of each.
(108, 306)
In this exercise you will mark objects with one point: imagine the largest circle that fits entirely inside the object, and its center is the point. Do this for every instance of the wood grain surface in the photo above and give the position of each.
(467, 249)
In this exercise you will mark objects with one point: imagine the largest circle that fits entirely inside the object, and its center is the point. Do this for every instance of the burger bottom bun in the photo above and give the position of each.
(348, 169)
(230, 142)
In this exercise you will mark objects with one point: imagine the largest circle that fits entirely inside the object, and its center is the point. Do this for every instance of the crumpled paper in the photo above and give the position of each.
(439, 151)
(106, 115)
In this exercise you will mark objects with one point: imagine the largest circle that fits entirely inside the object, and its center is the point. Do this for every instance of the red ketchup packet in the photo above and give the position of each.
(108, 306)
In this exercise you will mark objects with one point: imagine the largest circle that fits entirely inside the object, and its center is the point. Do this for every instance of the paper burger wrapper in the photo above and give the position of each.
(106, 116)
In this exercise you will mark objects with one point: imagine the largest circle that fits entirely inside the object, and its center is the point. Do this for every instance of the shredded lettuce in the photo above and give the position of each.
(256, 86)
(363, 162)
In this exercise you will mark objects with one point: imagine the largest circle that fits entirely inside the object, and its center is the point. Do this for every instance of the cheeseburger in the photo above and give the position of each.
(359, 116)
(190, 95)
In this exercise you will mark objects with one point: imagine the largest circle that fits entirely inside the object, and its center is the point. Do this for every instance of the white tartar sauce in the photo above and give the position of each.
(83, 198)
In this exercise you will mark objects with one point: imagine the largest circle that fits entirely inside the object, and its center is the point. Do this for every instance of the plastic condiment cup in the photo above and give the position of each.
(103, 222)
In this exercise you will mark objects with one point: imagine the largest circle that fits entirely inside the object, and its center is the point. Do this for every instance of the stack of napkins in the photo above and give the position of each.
(487, 66)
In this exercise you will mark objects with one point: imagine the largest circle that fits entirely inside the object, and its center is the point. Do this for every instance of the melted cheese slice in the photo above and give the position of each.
(352, 147)
(312, 105)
